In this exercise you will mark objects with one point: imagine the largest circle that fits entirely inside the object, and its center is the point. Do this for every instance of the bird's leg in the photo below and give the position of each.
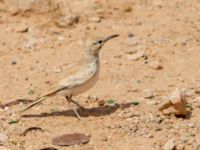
(83, 108)
(69, 100)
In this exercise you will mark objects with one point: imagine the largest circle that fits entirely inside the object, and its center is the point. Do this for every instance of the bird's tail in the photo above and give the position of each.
(36, 102)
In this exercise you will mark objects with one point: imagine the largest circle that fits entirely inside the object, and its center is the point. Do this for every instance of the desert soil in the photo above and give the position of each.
(41, 45)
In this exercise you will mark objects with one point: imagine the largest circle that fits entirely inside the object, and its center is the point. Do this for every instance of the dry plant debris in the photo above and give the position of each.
(71, 139)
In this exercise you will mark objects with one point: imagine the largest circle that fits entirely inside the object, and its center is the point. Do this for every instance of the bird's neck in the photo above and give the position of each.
(92, 58)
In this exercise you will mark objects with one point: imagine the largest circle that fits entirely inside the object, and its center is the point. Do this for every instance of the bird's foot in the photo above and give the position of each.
(76, 113)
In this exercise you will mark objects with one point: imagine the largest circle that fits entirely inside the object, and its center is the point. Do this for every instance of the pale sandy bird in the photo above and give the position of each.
(79, 82)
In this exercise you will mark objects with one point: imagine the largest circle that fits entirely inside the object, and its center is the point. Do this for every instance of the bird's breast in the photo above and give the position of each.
(87, 85)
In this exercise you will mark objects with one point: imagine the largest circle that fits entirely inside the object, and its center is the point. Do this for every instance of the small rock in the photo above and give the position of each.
(129, 115)
(132, 42)
(127, 8)
(131, 52)
(177, 101)
(101, 103)
(30, 43)
(3, 139)
(133, 90)
(14, 62)
(61, 39)
(104, 138)
(148, 94)
(149, 136)
(135, 56)
(169, 145)
(47, 82)
(191, 125)
(93, 97)
(65, 21)
(95, 19)
(151, 102)
(22, 28)
(130, 35)
(157, 65)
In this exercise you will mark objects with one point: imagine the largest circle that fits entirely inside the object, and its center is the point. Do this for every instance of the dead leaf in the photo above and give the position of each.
(15, 102)
(71, 139)
(49, 148)
(31, 129)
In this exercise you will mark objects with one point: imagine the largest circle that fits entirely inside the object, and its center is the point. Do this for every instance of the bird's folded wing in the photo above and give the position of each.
(70, 82)
(51, 91)
(77, 79)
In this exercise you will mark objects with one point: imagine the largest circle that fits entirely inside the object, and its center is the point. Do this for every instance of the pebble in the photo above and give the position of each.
(131, 52)
(157, 65)
(61, 39)
(101, 103)
(21, 28)
(151, 102)
(130, 35)
(65, 21)
(127, 8)
(95, 19)
(149, 136)
(30, 43)
(135, 56)
(148, 94)
(169, 145)
(191, 125)
(127, 115)
(14, 62)
(3, 139)
(132, 42)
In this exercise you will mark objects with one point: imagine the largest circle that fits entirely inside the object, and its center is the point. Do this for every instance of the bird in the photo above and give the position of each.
(79, 82)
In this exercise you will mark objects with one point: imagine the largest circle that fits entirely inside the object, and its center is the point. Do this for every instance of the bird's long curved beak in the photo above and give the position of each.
(111, 37)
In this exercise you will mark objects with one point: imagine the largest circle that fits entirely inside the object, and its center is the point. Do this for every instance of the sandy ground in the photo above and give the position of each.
(35, 53)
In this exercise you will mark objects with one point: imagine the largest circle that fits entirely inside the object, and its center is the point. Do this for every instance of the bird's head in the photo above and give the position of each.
(95, 46)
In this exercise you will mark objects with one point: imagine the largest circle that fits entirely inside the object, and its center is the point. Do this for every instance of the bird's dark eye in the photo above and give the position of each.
(100, 41)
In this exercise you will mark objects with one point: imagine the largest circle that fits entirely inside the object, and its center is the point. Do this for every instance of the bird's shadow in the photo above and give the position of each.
(95, 111)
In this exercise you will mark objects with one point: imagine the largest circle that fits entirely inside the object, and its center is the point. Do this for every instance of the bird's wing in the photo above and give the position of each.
(72, 81)
(79, 78)
(51, 91)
